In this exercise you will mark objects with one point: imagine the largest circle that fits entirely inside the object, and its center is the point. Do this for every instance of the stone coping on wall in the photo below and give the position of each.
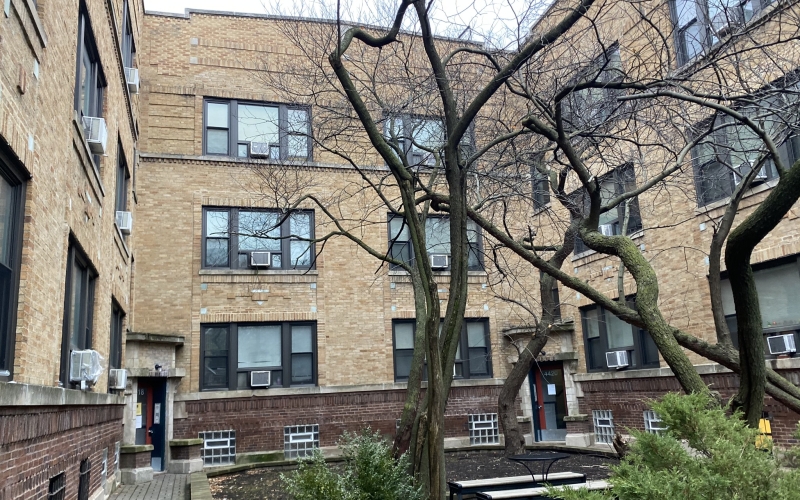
(14, 394)
(301, 391)
(186, 442)
(155, 338)
(150, 373)
(705, 369)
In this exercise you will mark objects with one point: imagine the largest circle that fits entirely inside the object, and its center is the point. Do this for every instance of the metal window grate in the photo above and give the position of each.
(653, 423)
(603, 426)
(219, 447)
(116, 456)
(86, 476)
(300, 440)
(58, 484)
(104, 471)
(483, 428)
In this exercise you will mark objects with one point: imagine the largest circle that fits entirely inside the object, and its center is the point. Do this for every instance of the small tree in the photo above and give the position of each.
(703, 455)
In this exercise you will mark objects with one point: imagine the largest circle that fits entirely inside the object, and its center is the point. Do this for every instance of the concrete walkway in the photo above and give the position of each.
(162, 487)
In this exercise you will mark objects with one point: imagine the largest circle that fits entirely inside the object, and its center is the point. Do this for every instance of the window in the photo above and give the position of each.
(300, 440)
(653, 423)
(474, 342)
(603, 332)
(115, 349)
(613, 184)
(590, 107)
(128, 47)
(230, 235)
(12, 203)
(89, 81)
(78, 307)
(726, 156)
(541, 188)
(437, 238)
(104, 470)
(231, 351)
(483, 428)
(57, 487)
(419, 137)
(252, 130)
(778, 285)
(603, 426)
(123, 178)
(699, 24)
(219, 447)
(85, 478)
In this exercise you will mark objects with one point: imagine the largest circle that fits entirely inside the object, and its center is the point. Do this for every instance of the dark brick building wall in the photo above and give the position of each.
(259, 422)
(627, 399)
(39, 442)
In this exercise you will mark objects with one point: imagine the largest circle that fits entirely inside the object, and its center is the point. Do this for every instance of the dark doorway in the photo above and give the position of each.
(549, 401)
(151, 418)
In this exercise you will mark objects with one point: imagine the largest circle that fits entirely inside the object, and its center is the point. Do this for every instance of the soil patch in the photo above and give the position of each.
(265, 483)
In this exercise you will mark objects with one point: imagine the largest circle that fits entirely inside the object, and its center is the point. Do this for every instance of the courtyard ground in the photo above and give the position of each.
(263, 483)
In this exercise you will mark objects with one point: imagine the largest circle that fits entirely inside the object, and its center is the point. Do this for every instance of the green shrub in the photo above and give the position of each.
(704, 454)
(369, 472)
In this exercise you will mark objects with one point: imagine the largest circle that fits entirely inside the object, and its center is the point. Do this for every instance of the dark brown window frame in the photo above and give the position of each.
(117, 334)
(231, 355)
(12, 172)
(123, 180)
(464, 362)
(76, 258)
(403, 249)
(233, 238)
(128, 43)
(233, 135)
(87, 51)
(643, 345)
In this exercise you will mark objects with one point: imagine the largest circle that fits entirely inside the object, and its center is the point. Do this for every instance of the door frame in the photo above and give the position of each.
(537, 394)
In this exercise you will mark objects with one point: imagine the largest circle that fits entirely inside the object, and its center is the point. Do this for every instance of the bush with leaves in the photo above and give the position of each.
(705, 454)
(369, 472)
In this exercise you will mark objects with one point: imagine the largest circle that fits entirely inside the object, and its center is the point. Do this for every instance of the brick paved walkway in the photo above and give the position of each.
(162, 487)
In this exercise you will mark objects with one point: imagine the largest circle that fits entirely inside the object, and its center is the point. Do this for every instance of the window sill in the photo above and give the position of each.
(588, 253)
(401, 272)
(717, 207)
(119, 238)
(258, 272)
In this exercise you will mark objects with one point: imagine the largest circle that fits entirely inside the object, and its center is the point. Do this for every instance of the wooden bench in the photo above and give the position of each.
(461, 488)
(538, 493)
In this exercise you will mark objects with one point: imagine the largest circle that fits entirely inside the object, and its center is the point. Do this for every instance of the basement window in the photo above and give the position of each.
(603, 426)
(300, 440)
(483, 428)
(219, 447)
(57, 487)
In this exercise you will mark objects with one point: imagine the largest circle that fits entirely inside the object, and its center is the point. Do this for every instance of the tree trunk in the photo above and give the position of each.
(514, 437)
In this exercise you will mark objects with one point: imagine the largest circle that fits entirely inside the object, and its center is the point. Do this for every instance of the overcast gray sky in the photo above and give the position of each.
(497, 20)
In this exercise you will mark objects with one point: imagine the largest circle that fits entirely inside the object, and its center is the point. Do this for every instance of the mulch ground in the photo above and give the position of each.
(265, 483)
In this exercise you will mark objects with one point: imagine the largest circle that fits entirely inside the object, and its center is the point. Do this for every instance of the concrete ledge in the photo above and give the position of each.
(185, 442)
(14, 394)
(135, 448)
(576, 418)
(149, 372)
(302, 391)
(137, 476)
(580, 439)
(155, 338)
(705, 369)
(190, 466)
(198, 487)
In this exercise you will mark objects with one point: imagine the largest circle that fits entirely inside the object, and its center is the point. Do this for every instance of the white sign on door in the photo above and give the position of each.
(157, 413)
(551, 389)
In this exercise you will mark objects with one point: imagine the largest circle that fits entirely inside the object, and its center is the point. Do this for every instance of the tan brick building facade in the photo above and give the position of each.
(182, 303)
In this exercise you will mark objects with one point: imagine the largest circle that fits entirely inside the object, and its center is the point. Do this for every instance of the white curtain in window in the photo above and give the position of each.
(259, 346)
(619, 333)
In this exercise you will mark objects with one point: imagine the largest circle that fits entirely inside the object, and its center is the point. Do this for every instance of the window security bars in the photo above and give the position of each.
(300, 440)
(219, 447)
(483, 428)
(85, 478)
(603, 426)
(58, 484)
(653, 423)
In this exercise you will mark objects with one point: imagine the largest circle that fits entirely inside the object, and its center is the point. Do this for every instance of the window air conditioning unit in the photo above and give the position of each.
(124, 222)
(96, 134)
(781, 344)
(259, 149)
(117, 378)
(260, 259)
(440, 261)
(260, 379)
(606, 229)
(132, 79)
(84, 366)
(617, 359)
(744, 169)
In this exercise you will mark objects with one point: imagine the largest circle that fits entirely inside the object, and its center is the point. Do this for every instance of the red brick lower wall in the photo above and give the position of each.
(627, 399)
(259, 422)
(37, 443)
